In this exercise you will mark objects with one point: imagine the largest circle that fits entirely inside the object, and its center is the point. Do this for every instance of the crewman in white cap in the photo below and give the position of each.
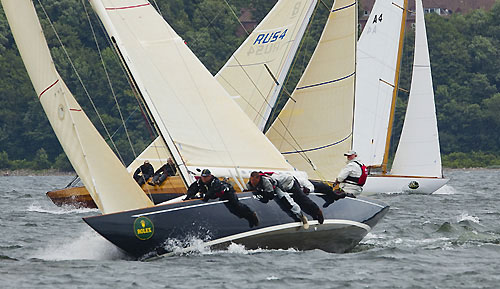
(353, 176)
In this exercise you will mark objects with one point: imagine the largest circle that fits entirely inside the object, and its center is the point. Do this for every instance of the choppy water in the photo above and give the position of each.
(450, 239)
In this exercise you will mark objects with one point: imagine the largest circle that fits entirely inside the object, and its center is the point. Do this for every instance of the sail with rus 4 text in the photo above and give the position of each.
(196, 117)
(254, 74)
(104, 176)
(417, 163)
(314, 128)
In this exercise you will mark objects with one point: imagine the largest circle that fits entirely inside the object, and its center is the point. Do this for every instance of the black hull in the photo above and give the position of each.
(347, 221)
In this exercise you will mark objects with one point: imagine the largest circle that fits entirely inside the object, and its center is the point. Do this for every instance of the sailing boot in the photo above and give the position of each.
(319, 216)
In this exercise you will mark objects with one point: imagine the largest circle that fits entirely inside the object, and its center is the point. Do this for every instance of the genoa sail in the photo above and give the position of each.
(254, 74)
(418, 152)
(376, 69)
(199, 122)
(104, 176)
(315, 128)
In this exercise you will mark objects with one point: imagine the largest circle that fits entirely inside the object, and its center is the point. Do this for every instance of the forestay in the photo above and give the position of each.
(273, 43)
(376, 71)
(195, 115)
(103, 175)
(317, 124)
(418, 152)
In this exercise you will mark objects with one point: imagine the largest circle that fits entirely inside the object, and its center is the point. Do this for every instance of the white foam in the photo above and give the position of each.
(59, 210)
(88, 246)
(272, 277)
(466, 217)
(445, 190)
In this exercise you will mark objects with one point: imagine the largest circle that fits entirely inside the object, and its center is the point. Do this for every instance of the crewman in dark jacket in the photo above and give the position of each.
(162, 173)
(211, 187)
(287, 183)
(268, 187)
(143, 173)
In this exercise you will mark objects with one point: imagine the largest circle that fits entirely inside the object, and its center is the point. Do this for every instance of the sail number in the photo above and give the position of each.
(264, 38)
(377, 19)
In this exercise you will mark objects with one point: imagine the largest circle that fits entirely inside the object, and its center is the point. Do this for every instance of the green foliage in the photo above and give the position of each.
(471, 160)
(41, 160)
(62, 163)
(464, 52)
(465, 56)
(4, 160)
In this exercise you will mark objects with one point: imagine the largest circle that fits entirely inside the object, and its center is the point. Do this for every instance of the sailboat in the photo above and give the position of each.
(253, 77)
(417, 162)
(227, 148)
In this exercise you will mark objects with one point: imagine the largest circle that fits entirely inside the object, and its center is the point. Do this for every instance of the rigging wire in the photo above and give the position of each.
(109, 81)
(153, 133)
(80, 80)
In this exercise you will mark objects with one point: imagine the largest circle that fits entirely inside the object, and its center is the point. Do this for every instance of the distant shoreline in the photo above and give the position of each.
(26, 172)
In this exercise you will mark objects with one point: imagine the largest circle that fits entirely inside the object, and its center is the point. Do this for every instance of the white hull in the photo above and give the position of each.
(390, 184)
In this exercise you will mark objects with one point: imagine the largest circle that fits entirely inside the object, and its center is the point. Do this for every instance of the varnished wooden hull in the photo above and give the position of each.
(79, 196)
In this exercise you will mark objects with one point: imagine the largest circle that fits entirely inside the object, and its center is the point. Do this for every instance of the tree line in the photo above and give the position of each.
(463, 49)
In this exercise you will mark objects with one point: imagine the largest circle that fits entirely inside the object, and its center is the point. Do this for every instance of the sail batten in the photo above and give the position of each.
(102, 173)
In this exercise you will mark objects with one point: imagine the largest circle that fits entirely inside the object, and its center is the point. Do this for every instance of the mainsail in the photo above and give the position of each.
(315, 126)
(195, 115)
(254, 74)
(376, 69)
(418, 152)
(101, 172)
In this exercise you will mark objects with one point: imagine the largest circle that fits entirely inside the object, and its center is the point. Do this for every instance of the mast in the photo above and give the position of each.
(396, 87)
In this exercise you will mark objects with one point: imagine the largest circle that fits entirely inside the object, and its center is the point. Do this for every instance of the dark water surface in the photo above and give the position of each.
(450, 239)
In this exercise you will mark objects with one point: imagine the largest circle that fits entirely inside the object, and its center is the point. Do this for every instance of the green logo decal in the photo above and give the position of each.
(413, 185)
(143, 228)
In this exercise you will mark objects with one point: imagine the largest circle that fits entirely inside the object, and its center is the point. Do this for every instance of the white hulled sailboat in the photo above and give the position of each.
(417, 163)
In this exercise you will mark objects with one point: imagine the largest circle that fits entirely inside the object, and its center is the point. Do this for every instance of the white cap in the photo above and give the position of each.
(350, 153)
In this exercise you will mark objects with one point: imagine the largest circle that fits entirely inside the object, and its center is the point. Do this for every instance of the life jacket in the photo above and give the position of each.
(360, 181)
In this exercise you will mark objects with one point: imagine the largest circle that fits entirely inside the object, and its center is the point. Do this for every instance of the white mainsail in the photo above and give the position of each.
(273, 43)
(196, 117)
(101, 172)
(376, 69)
(317, 124)
(418, 152)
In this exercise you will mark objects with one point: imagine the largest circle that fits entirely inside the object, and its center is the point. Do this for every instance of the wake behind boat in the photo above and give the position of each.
(159, 230)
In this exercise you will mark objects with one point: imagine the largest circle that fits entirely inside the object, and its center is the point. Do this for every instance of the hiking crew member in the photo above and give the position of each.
(289, 184)
(162, 173)
(211, 187)
(143, 173)
(268, 187)
(353, 176)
